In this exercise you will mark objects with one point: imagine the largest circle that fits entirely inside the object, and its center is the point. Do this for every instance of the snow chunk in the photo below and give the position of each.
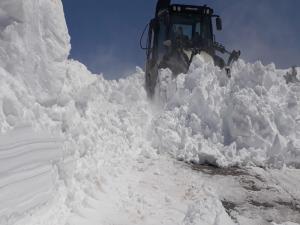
(209, 210)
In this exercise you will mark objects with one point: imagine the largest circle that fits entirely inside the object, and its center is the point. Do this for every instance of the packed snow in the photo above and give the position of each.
(78, 149)
(28, 175)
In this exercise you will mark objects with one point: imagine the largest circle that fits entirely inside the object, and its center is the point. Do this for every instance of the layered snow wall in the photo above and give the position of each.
(201, 116)
(28, 176)
(34, 46)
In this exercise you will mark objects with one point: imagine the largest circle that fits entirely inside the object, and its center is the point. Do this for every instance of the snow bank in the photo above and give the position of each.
(252, 118)
(102, 123)
(34, 45)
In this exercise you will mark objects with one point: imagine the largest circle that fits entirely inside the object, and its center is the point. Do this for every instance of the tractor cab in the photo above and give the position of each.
(176, 34)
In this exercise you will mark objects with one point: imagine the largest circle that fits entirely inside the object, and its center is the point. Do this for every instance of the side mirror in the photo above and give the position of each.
(168, 43)
(219, 23)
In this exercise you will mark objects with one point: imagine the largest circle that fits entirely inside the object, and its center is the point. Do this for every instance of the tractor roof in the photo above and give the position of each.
(180, 8)
(165, 5)
(188, 9)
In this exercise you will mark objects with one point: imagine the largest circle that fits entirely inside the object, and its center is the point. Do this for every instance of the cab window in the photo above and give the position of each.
(184, 30)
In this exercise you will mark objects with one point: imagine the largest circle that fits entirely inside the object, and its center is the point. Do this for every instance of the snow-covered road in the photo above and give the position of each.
(155, 191)
(168, 192)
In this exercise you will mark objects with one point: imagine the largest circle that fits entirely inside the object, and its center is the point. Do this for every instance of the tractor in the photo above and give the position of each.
(176, 34)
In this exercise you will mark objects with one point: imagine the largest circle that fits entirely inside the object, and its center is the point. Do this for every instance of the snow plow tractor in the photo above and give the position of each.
(178, 33)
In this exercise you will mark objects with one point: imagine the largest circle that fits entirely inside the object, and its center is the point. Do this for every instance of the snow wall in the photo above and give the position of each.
(201, 116)
(34, 46)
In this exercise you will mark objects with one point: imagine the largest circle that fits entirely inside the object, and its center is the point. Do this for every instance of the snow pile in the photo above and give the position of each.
(102, 123)
(252, 118)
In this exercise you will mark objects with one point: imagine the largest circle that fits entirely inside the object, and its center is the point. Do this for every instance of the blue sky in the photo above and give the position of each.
(105, 33)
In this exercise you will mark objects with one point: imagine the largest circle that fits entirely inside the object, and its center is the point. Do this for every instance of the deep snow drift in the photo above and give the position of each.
(68, 134)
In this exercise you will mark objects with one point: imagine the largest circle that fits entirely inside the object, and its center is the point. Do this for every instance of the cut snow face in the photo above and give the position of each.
(28, 174)
(250, 119)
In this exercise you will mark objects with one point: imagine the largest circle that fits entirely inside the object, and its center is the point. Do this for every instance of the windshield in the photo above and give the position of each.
(191, 28)
(183, 30)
